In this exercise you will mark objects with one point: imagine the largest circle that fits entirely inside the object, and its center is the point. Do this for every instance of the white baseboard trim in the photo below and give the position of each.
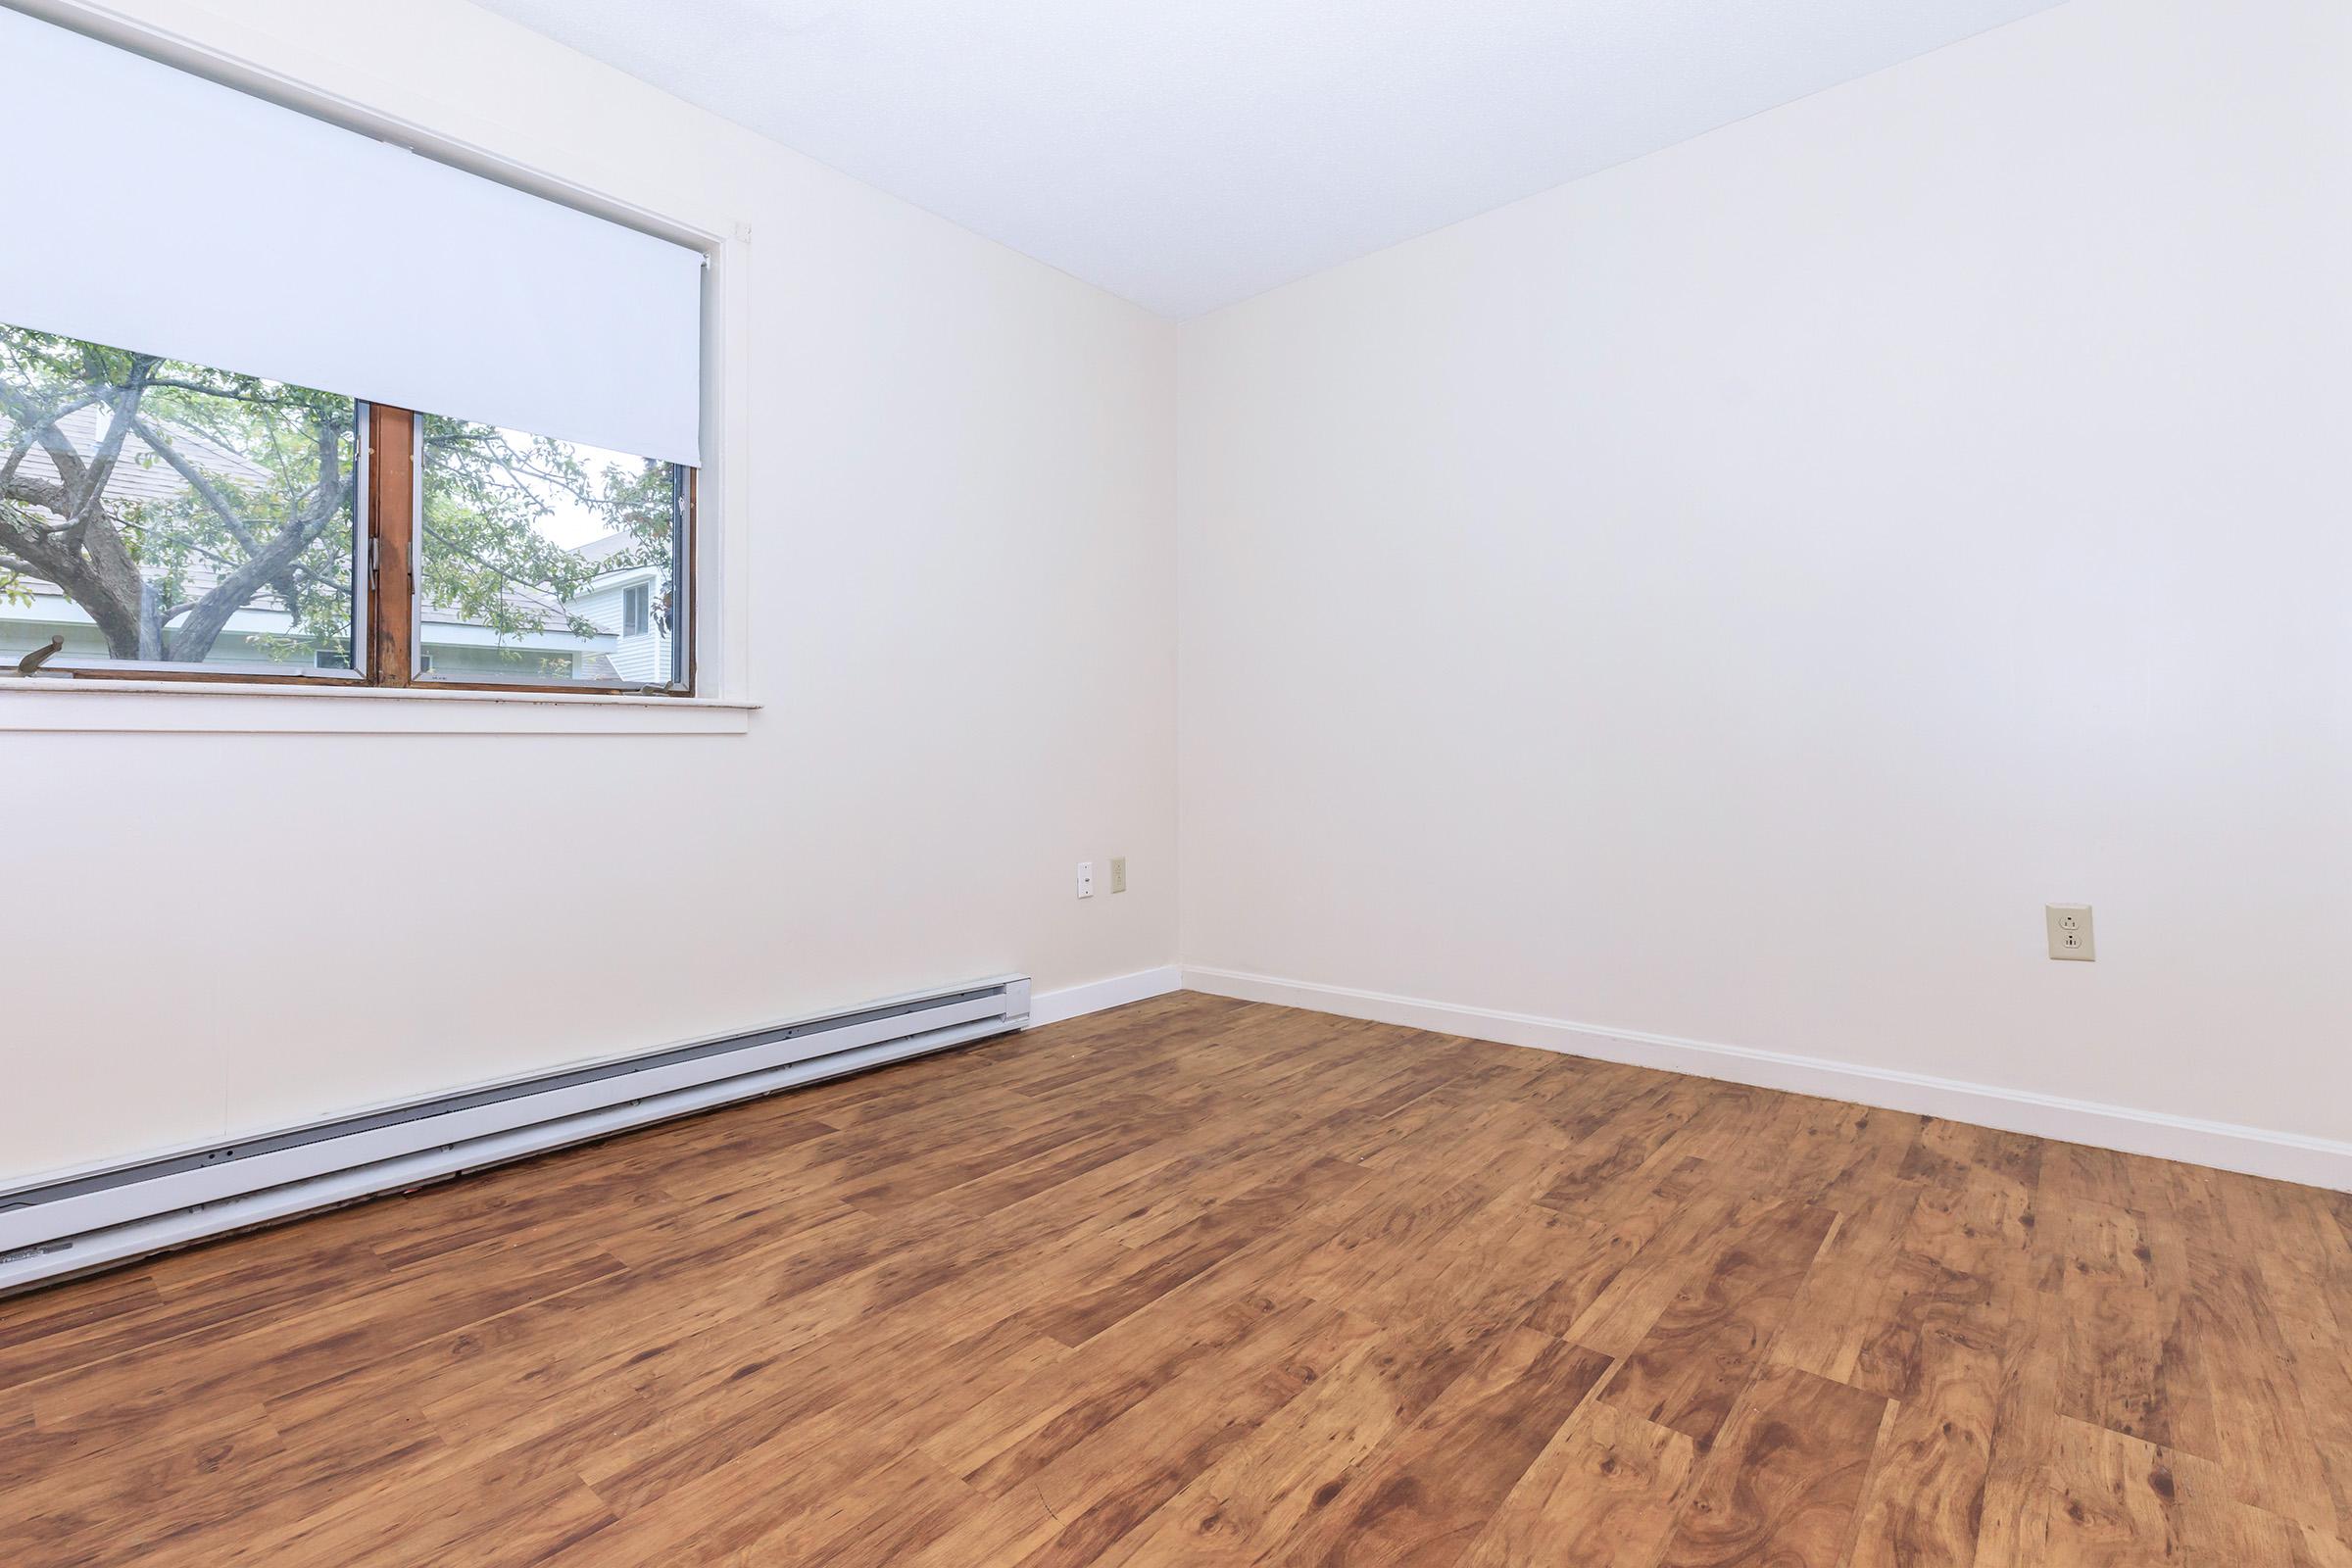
(2253, 1150)
(1052, 1006)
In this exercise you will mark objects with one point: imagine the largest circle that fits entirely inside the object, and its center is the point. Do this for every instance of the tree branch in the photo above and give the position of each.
(37, 493)
(126, 413)
(493, 567)
(210, 612)
(258, 400)
(45, 433)
(199, 483)
(506, 458)
(44, 418)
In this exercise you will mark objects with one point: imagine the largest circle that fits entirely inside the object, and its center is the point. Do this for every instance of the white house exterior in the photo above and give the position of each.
(629, 601)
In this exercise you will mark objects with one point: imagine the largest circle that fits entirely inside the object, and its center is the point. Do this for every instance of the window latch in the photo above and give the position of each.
(42, 656)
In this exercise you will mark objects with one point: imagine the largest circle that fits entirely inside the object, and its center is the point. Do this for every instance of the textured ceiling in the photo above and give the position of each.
(1190, 153)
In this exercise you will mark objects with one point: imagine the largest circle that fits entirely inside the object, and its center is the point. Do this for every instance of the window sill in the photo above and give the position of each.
(49, 704)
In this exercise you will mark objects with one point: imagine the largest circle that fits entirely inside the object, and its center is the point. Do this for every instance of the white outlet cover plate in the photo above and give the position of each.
(2070, 932)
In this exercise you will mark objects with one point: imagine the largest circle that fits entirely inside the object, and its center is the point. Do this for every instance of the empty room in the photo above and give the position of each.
(1443, 783)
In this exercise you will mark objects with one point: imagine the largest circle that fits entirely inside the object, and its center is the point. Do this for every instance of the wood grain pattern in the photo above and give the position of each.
(1202, 1283)
(1704, 1348)
(1427, 1495)
(389, 553)
(1783, 1484)
(1603, 1495)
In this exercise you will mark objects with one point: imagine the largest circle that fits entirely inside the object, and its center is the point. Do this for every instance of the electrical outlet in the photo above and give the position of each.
(1118, 873)
(2070, 931)
(1086, 879)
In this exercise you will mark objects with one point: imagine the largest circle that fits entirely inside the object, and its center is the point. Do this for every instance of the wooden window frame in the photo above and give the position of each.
(395, 492)
(386, 560)
(390, 456)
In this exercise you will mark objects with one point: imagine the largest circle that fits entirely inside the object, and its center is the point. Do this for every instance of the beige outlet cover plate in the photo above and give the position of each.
(2070, 932)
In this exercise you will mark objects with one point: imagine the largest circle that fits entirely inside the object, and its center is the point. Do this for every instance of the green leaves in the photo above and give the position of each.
(494, 503)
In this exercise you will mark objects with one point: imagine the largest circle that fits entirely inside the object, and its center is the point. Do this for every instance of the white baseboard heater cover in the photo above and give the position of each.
(71, 1224)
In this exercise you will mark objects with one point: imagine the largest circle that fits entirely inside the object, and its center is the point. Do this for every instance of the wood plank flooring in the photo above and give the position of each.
(1197, 1282)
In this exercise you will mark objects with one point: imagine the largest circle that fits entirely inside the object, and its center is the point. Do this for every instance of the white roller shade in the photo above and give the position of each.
(155, 211)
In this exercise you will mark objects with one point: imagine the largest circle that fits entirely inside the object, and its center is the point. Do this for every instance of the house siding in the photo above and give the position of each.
(638, 659)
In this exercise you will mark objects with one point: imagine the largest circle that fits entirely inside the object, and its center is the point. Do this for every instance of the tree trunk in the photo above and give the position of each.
(151, 622)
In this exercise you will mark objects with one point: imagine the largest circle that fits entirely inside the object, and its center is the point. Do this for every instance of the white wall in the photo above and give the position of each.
(1722, 598)
(1727, 597)
(960, 473)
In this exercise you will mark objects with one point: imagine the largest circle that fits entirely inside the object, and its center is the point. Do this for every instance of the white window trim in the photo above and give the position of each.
(254, 60)
(54, 704)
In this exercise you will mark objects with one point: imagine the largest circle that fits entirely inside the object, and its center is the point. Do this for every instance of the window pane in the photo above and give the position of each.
(545, 560)
(170, 512)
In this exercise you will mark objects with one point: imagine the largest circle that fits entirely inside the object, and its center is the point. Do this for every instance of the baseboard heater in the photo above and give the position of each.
(74, 1224)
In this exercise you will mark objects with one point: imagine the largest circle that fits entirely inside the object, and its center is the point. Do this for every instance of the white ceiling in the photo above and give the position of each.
(1190, 153)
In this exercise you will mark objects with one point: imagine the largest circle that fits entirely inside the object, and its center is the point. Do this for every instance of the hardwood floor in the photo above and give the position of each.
(1204, 1283)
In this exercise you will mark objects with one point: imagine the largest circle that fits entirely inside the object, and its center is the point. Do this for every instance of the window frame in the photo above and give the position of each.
(396, 544)
(387, 531)
(397, 503)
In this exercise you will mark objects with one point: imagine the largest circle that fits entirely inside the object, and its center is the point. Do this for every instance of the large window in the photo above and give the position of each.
(159, 518)
(236, 447)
